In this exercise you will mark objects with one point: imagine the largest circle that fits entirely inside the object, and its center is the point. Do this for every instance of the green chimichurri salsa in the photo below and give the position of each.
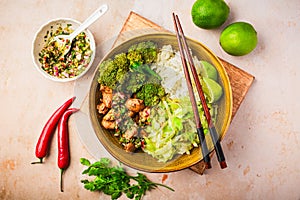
(65, 66)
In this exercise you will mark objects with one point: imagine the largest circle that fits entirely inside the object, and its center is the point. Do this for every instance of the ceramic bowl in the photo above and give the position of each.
(40, 40)
(140, 160)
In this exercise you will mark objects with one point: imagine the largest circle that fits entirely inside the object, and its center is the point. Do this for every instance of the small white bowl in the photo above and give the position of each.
(39, 42)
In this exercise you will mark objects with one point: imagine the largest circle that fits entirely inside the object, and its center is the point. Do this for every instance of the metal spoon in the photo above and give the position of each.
(64, 41)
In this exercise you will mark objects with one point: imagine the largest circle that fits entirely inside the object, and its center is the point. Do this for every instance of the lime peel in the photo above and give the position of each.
(208, 70)
(209, 14)
(238, 39)
(212, 89)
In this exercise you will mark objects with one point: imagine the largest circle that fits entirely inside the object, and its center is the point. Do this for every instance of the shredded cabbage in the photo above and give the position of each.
(172, 130)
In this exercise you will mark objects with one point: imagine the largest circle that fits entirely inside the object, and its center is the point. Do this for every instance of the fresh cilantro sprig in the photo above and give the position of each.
(114, 181)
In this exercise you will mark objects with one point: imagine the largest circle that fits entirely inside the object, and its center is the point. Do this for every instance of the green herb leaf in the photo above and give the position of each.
(114, 181)
(85, 162)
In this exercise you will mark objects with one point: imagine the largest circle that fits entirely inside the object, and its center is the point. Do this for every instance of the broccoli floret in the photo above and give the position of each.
(135, 58)
(107, 73)
(121, 61)
(112, 71)
(122, 64)
(136, 78)
(132, 47)
(116, 73)
(149, 51)
(132, 82)
(143, 82)
(151, 93)
(142, 53)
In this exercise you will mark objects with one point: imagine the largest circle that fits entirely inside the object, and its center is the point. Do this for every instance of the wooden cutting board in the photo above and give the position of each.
(240, 80)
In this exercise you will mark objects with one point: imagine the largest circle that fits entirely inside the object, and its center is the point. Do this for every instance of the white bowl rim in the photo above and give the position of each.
(53, 78)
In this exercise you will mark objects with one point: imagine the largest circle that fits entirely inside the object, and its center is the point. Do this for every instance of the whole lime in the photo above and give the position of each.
(209, 14)
(238, 38)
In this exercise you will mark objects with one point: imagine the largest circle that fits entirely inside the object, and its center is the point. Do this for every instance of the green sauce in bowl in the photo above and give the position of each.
(47, 55)
(73, 63)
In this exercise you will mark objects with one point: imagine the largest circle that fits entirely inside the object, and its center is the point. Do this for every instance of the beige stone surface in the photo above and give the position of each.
(262, 143)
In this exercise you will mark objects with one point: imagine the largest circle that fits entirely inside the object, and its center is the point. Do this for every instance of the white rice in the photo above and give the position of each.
(169, 67)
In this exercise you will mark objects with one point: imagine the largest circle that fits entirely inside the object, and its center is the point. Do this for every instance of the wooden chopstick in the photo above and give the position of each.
(211, 126)
(200, 131)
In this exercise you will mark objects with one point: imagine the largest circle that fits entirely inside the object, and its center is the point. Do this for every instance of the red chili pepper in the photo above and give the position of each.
(63, 160)
(42, 146)
(143, 144)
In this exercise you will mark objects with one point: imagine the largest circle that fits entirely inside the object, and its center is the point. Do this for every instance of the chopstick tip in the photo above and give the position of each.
(207, 165)
(223, 164)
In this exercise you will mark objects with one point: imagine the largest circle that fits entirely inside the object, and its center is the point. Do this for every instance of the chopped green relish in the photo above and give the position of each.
(65, 66)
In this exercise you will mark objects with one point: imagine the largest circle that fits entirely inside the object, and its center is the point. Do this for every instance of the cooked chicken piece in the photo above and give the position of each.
(106, 95)
(144, 115)
(107, 99)
(102, 109)
(135, 105)
(110, 116)
(129, 147)
(109, 124)
(129, 133)
(105, 89)
(131, 114)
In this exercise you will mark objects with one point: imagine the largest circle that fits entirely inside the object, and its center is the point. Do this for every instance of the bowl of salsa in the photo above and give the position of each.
(51, 61)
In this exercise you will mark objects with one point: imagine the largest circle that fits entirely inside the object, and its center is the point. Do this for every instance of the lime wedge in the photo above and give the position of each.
(208, 70)
(212, 89)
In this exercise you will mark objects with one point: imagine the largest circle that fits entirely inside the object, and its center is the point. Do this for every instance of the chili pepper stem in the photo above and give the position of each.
(61, 177)
(38, 162)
